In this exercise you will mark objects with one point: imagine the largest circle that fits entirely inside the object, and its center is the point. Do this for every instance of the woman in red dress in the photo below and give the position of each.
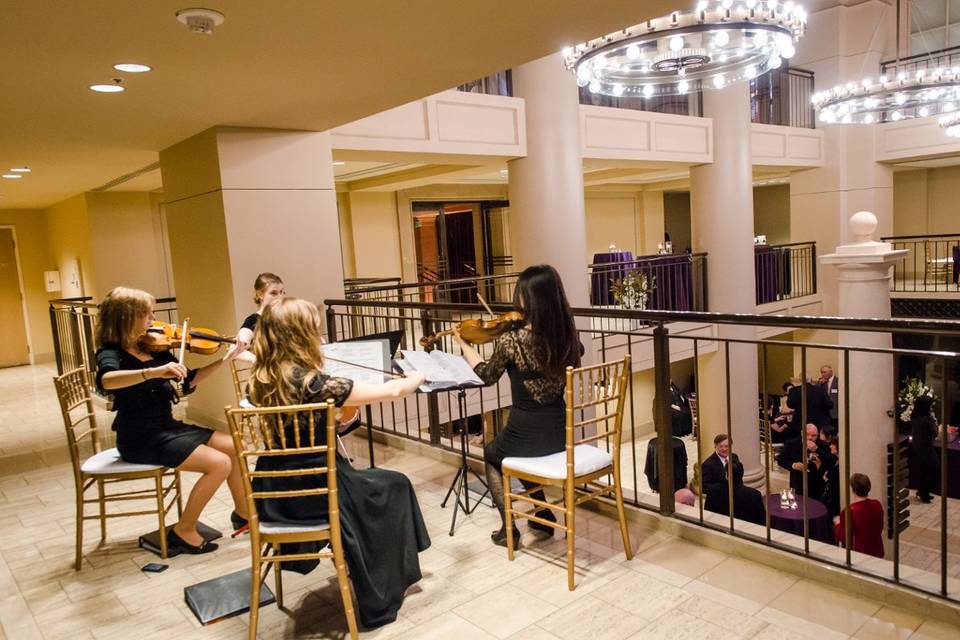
(866, 516)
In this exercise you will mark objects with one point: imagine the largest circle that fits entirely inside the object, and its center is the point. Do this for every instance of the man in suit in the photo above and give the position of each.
(810, 452)
(831, 385)
(747, 501)
(819, 404)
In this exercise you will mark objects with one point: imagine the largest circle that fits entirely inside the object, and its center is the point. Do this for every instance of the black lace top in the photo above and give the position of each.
(522, 359)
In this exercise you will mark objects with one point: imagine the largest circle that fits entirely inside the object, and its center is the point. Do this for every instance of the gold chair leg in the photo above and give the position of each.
(254, 595)
(103, 510)
(161, 513)
(78, 563)
(278, 583)
(344, 583)
(621, 515)
(569, 500)
(176, 479)
(508, 514)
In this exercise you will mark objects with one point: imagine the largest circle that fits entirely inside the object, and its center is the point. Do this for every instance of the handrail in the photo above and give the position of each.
(919, 56)
(921, 237)
(648, 258)
(886, 325)
(434, 283)
(791, 244)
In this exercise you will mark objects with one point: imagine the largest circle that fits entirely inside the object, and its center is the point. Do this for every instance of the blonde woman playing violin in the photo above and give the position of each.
(147, 432)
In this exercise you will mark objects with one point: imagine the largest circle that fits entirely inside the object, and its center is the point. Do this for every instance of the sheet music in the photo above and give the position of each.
(372, 353)
(442, 369)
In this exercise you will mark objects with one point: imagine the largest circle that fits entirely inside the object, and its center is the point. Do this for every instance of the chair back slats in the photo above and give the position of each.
(265, 432)
(240, 371)
(600, 391)
(73, 392)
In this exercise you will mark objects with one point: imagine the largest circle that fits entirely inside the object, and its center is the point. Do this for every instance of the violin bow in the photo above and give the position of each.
(485, 305)
(393, 374)
(183, 340)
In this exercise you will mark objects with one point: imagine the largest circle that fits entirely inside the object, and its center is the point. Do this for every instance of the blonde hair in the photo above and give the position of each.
(120, 316)
(287, 347)
(262, 283)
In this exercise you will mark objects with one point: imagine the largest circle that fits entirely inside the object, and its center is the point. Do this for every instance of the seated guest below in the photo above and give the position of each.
(810, 453)
(535, 356)
(819, 404)
(143, 398)
(380, 520)
(747, 501)
(866, 516)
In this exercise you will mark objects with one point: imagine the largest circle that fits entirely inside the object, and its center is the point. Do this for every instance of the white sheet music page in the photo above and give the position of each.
(442, 369)
(370, 354)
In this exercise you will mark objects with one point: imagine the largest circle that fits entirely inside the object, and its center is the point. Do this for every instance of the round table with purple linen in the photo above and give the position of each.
(791, 520)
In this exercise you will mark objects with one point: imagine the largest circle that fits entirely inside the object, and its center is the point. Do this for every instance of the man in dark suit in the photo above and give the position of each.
(747, 501)
(831, 385)
(810, 452)
(819, 404)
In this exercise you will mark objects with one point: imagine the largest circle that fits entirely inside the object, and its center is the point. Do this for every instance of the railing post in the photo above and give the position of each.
(661, 418)
(331, 325)
(56, 340)
(433, 404)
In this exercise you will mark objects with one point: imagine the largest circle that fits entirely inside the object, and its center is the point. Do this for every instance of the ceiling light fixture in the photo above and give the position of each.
(338, 163)
(200, 20)
(108, 88)
(12, 176)
(20, 169)
(718, 40)
(132, 67)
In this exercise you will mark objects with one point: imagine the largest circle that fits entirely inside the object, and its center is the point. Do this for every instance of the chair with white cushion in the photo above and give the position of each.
(594, 415)
(259, 432)
(105, 467)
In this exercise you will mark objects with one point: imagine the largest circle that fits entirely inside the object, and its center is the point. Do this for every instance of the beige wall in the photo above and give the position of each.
(376, 234)
(771, 213)
(676, 219)
(30, 231)
(126, 243)
(68, 233)
(925, 201)
(612, 219)
(346, 235)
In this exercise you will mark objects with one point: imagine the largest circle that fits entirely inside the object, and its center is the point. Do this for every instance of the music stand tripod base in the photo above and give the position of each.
(460, 486)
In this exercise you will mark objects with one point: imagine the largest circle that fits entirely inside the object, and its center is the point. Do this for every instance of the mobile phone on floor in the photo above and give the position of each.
(154, 567)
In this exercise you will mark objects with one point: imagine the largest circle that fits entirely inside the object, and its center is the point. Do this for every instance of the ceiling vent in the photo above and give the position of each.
(200, 20)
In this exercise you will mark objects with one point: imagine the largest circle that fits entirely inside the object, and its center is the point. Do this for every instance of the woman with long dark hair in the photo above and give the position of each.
(923, 430)
(535, 355)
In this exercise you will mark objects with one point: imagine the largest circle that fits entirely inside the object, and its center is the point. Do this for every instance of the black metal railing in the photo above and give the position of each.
(941, 59)
(688, 104)
(433, 419)
(931, 264)
(783, 97)
(677, 281)
(785, 271)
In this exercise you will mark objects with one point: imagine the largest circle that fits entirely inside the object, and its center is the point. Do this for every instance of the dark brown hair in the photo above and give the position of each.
(540, 297)
(720, 437)
(263, 281)
(860, 484)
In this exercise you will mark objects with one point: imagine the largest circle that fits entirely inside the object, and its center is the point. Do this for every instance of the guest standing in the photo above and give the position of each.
(923, 430)
(866, 517)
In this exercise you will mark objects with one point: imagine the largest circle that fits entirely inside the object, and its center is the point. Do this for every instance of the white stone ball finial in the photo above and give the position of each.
(862, 224)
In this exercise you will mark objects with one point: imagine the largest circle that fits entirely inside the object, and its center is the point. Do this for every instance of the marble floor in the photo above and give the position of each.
(671, 589)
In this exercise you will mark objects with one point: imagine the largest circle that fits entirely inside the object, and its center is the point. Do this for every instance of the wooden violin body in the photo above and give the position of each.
(163, 337)
(477, 331)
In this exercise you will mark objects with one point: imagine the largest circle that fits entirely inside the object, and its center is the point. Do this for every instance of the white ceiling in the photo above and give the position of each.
(292, 64)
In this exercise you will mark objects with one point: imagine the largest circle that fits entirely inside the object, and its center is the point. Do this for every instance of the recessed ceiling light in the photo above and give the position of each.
(12, 176)
(338, 163)
(20, 169)
(106, 88)
(132, 67)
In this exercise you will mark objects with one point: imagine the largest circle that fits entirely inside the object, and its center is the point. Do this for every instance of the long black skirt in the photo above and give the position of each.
(382, 530)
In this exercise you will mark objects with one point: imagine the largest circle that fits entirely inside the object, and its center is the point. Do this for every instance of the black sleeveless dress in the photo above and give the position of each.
(380, 520)
(537, 418)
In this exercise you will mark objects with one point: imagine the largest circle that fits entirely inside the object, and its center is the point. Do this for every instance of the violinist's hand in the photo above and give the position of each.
(457, 337)
(244, 339)
(169, 371)
(415, 379)
(234, 351)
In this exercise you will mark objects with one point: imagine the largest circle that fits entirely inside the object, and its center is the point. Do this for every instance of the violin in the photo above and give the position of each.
(477, 331)
(162, 336)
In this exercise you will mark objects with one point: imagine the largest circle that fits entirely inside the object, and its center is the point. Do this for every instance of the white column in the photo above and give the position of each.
(721, 218)
(864, 292)
(547, 219)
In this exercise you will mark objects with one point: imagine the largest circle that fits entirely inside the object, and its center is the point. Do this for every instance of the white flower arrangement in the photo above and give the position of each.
(912, 389)
(633, 289)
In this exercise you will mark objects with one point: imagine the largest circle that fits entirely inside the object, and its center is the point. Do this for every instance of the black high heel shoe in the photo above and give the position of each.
(544, 514)
(206, 546)
(239, 523)
(499, 537)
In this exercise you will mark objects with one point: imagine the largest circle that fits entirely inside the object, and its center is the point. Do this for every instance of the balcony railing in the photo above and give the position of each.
(679, 282)
(780, 97)
(940, 59)
(932, 263)
(785, 271)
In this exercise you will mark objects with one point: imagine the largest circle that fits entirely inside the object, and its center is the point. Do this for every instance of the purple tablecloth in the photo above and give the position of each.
(765, 264)
(672, 282)
(602, 277)
(953, 469)
(791, 521)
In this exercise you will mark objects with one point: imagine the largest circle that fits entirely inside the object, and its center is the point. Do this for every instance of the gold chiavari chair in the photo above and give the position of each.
(591, 392)
(105, 467)
(287, 431)
(240, 371)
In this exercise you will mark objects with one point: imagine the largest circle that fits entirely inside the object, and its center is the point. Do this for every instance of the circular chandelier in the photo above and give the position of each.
(925, 93)
(717, 43)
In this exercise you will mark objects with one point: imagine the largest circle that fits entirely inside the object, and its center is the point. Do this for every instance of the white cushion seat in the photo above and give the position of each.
(286, 527)
(586, 460)
(109, 461)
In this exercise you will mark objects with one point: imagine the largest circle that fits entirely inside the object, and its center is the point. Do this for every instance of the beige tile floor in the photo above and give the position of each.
(672, 589)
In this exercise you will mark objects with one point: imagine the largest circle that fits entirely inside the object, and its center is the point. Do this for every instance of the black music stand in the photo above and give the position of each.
(460, 484)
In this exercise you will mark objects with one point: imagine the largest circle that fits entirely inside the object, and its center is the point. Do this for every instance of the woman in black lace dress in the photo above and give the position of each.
(535, 356)
(380, 520)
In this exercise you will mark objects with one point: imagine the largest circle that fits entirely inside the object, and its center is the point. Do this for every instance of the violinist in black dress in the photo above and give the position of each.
(143, 397)
(535, 355)
(266, 288)
(380, 520)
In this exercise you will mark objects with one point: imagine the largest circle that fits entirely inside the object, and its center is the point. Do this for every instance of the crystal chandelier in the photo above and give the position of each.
(891, 98)
(711, 46)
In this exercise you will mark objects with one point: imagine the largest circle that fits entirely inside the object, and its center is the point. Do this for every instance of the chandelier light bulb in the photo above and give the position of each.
(718, 81)
(726, 4)
(900, 98)
(582, 82)
(594, 86)
(787, 50)
(948, 107)
(895, 116)
(772, 5)
(618, 90)
(683, 86)
(702, 5)
(868, 119)
(788, 7)
(760, 38)
(923, 112)
(633, 52)
(599, 63)
(721, 38)
(866, 83)
(676, 43)
(750, 72)
(774, 62)
(647, 90)
(751, 4)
